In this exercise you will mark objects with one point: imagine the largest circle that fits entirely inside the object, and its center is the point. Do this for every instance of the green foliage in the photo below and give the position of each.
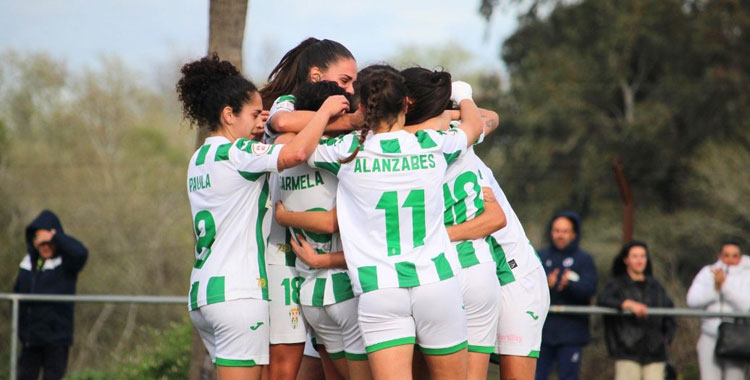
(105, 151)
(167, 356)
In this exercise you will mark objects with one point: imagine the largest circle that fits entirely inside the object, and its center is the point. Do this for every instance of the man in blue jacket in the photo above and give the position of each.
(51, 266)
(571, 276)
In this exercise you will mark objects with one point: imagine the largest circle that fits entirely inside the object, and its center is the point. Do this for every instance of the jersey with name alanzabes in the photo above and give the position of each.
(390, 206)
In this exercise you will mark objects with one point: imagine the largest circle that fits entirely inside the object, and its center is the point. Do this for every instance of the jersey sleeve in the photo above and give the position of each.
(330, 152)
(284, 103)
(252, 158)
(452, 143)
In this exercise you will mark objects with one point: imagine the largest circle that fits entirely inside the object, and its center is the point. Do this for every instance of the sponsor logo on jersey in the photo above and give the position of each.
(512, 264)
(533, 316)
(256, 326)
(261, 282)
(260, 149)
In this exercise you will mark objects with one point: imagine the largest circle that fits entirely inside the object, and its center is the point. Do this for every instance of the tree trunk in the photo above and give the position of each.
(226, 31)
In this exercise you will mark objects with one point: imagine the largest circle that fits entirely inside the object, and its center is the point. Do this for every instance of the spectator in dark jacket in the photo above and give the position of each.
(51, 266)
(571, 277)
(637, 343)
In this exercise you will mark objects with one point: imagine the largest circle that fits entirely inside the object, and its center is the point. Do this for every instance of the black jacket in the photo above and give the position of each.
(643, 340)
(44, 323)
(566, 329)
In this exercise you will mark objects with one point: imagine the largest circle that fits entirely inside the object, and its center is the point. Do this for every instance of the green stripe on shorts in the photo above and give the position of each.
(234, 363)
(482, 349)
(533, 354)
(355, 357)
(444, 351)
(389, 344)
(336, 355)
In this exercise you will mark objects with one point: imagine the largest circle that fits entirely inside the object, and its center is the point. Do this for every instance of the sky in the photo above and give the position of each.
(148, 33)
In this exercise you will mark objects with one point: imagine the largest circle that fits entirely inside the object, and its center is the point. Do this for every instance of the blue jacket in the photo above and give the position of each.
(45, 323)
(562, 329)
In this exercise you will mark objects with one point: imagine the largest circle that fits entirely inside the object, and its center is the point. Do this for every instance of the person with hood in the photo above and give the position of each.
(639, 342)
(571, 277)
(724, 287)
(51, 266)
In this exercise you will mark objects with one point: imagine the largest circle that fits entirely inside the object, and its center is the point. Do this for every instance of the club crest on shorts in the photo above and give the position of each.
(294, 315)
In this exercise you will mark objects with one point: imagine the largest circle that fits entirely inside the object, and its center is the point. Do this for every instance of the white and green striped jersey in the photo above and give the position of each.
(516, 257)
(227, 185)
(284, 103)
(310, 189)
(390, 206)
(463, 200)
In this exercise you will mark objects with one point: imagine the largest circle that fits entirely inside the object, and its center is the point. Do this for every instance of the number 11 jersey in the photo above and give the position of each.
(390, 206)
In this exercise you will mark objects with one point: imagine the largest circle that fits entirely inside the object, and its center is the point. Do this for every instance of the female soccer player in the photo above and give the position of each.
(462, 192)
(393, 180)
(328, 302)
(228, 191)
(311, 61)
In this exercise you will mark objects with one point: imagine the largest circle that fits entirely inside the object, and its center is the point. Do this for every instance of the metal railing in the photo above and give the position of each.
(15, 299)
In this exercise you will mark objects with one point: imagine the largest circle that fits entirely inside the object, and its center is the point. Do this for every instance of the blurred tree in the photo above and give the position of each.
(648, 80)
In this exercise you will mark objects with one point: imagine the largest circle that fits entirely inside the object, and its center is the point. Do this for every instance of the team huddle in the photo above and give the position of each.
(355, 222)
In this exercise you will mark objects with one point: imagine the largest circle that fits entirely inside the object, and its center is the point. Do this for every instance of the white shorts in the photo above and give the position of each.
(524, 304)
(310, 348)
(234, 332)
(428, 315)
(480, 289)
(337, 328)
(287, 324)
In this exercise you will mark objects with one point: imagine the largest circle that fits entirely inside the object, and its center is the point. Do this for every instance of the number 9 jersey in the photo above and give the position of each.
(228, 190)
(390, 206)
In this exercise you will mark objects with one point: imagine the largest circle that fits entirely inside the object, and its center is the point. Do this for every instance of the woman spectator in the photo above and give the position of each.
(724, 287)
(638, 343)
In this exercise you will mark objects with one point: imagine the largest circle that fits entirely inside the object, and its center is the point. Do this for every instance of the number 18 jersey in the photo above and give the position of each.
(228, 190)
(390, 206)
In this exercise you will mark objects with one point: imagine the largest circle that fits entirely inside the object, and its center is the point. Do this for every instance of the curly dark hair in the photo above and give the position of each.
(207, 86)
(310, 96)
(430, 92)
(382, 92)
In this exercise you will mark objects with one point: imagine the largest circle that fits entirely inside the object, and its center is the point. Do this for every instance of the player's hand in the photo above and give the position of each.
(43, 237)
(460, 91)
(552, 278)
(719, 278)
(335, 105)
(639, 309)
(564, 280)
(305, 251)
(489, 196)
(280, 212)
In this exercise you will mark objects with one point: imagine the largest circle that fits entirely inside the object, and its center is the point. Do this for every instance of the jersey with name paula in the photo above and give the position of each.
(390, 206)
(227, 185)
(514, 252)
